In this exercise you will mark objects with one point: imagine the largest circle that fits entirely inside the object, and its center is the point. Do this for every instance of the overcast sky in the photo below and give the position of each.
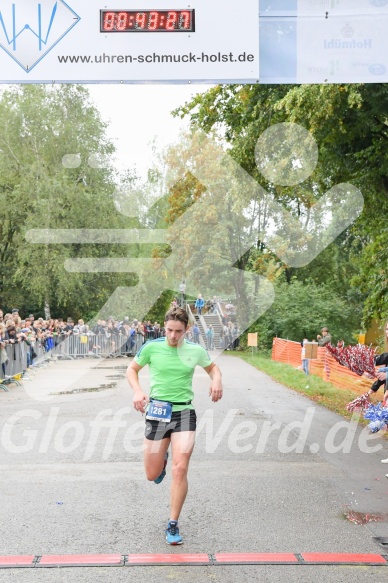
(139, 113)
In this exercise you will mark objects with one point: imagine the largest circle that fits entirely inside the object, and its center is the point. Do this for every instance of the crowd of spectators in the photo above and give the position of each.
(229, 335)
(126, 335)
(129, 335)
(38, 333)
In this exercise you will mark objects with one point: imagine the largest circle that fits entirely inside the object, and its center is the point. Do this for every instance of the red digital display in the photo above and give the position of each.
(147, 21)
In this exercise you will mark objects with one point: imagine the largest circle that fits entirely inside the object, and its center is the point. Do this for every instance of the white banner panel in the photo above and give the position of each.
(341, 7)
(348, 44)
(129, 40)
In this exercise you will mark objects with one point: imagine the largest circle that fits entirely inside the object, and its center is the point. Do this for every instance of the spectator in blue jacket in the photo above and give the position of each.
(199, 303)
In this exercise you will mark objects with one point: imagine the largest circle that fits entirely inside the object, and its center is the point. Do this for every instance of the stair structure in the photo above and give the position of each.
(202, 329)
(203, 322)
(215, 320)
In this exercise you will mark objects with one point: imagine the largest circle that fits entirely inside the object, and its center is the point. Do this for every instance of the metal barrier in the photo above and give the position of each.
(97, 346)
(66, 347)
(42, 356)
(22, 357)
(15, 364)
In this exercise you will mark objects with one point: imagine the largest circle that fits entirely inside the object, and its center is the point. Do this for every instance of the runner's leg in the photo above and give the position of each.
(154, 452)
(182, 444)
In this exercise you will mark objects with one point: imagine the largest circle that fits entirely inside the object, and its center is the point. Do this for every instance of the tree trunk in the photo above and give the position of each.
(47, 313)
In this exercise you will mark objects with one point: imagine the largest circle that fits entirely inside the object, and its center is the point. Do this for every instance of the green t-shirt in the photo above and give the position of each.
(172, 369)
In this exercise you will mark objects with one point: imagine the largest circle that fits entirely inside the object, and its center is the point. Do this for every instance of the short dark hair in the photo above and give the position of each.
(178, 315)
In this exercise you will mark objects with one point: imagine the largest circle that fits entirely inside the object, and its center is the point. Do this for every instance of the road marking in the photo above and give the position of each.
(118, 560)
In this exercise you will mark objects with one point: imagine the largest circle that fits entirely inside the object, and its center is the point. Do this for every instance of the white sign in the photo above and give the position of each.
(129, 41)
(342, 41)
(341, 7)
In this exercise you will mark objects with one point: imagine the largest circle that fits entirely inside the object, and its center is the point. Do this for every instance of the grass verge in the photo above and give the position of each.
(312, 386)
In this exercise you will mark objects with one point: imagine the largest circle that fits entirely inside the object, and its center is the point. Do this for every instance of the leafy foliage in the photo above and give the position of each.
(301, 309)
(350, 126)
(39, 125)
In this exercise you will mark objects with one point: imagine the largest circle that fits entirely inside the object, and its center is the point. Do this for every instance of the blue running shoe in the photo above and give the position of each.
(172, 533)
(161, 477)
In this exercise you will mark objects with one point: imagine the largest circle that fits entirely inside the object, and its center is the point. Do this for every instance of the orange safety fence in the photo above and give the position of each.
(325, 366)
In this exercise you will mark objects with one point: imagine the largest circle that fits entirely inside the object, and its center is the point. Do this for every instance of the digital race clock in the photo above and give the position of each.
(147, 21)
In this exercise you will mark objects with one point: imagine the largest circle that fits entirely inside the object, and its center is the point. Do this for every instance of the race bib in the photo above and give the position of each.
(159, 411)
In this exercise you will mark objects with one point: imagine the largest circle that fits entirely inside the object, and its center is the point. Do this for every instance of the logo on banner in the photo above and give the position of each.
(377, 69)
(29, 30)
(347, 31)
(378, 3)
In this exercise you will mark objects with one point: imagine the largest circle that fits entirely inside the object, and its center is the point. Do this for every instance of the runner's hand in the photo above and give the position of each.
(215, 392)
(140, 401)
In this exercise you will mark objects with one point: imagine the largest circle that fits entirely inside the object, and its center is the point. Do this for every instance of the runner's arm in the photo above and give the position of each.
(140, 399)
(215, 390)
(383, 376)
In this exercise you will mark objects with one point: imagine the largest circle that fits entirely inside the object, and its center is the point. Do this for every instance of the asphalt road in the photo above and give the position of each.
(271, 472)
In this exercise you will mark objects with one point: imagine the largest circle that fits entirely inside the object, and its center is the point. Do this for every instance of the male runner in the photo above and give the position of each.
(172, 360)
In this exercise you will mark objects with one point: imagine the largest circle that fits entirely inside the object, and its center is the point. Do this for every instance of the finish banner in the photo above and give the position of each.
(323, 41)
(160, 41)
(128, 41)
(342, 41)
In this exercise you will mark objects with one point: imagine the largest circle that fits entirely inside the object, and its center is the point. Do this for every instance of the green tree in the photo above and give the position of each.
(300, 310)
(349, 124)
(39, 126)
(211, 228)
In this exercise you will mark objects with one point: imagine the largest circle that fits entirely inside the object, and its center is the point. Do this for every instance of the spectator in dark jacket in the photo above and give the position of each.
(325, 338)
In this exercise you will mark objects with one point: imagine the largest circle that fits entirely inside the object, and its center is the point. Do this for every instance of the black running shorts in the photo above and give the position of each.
(185, 420)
